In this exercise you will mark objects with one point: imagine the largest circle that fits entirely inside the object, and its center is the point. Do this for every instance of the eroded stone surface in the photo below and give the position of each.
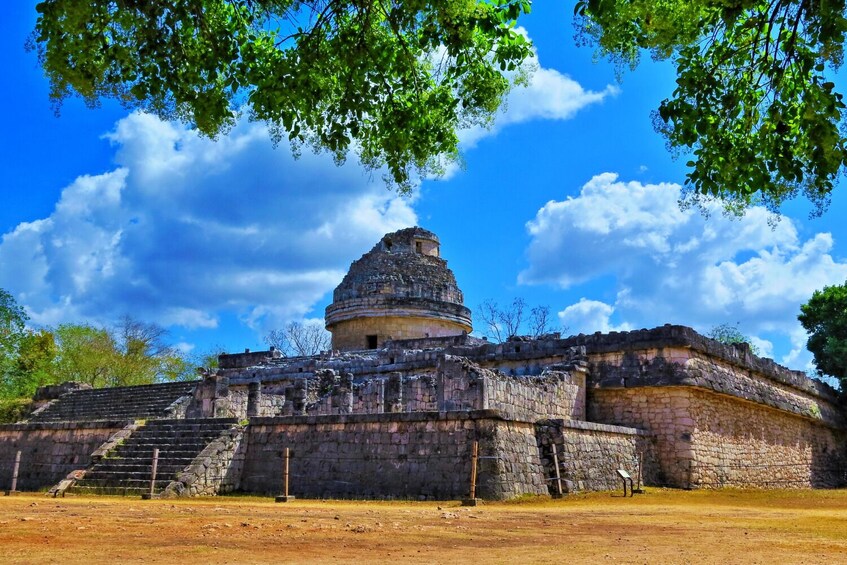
(400, 289)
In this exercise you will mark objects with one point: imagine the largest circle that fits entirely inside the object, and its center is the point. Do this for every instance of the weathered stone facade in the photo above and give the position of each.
(50, 450)
(589, 454)
(392, 417)
(216, 470)
(400, 289)
(400, 422)
(413, 455)
(707, 440)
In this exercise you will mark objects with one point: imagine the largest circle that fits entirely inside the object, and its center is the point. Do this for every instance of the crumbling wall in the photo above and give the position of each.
(419, 455)
(456, 384)
(704, 439)
(674, 366)
(589, 455)
(553, 394)
(50, 450)
(210, 398)
(216, 470)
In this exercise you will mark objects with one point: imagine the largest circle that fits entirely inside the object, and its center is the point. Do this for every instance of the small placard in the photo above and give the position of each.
(624, 474)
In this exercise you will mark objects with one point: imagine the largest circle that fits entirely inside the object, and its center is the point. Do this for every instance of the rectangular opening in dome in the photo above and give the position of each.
(371, 341)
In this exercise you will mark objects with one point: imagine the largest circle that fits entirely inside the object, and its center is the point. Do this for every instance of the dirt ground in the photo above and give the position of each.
(661, 526)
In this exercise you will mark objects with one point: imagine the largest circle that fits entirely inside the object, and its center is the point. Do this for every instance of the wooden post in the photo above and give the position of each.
(15, 474)
(285, 497)
(287, 454)
(690, 473)
(471, 501)
(474, 460)
(640, 465)
(148, 496)
(558, 493)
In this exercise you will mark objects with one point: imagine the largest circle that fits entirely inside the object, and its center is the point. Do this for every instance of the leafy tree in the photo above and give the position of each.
(392, 79)
(753, 100)
(824, 317)
(730, 334)
(35, 364)
(86, 354)
(13, 319)
(14, 409)
(32, 367)
(209, 359)
(132, 353)
(142, 355)
(300, 339)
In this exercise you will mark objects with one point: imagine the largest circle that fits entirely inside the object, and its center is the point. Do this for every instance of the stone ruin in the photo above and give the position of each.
(397, 415)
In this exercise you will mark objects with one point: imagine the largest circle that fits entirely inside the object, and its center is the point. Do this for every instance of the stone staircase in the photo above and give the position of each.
(126, 469)
(118, 403)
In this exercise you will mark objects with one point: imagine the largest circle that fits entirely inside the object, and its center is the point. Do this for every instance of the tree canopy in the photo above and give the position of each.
(129, 353)
(13, 319)
(393, 81)
(754, 101)
(824, 317)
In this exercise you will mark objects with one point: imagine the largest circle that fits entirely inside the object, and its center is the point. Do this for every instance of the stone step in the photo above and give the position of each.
(139, 402)
(139, 466)
(128, 467)
(116, 465)
(187, 432)
(127, 489)
(121, 475)
(188, 422)
(165, 446)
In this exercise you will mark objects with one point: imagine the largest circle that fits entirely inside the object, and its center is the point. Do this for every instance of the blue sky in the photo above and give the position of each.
(568, 201)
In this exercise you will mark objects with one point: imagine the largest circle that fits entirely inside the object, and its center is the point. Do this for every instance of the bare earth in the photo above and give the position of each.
(657, 527)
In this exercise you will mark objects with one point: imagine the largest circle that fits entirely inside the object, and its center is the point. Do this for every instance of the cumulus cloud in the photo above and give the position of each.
(547, 95)
(675, 266)
(589, 316)
(186, 228)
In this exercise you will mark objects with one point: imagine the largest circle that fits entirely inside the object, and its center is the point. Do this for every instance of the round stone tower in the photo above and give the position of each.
(400, 289)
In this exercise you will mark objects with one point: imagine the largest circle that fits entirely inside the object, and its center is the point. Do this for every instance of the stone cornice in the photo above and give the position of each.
(390, 306)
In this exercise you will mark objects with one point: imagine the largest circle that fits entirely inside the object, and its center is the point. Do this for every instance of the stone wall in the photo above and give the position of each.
(466, 386)
(456, 384)
(704, 439)
(419, 455)
(590, 454)
(352, 334)
(510, 464)
(671, 366)
(49, 451)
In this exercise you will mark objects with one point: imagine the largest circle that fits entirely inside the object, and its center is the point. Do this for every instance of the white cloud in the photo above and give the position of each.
(764, 346)
(184, 347)
(548, 95)
(589, 316)
(675, 266)
(185, 229)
